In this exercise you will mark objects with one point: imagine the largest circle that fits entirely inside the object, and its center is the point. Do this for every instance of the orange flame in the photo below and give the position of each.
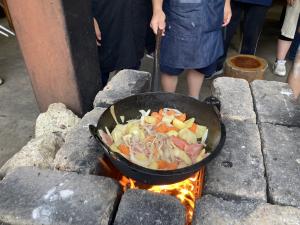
(187, 191)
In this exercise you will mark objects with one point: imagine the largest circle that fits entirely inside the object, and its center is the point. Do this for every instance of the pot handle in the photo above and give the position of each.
(105, 148)
(215, 103)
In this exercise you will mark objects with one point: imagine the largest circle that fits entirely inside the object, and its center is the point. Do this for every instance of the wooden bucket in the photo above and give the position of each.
(248, 67)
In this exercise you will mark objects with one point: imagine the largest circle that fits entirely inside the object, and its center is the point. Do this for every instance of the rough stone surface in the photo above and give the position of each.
(281, 149)
(39, 152)
(124, 84)
(57, 119)
(33, 196)
(238, 171)
(275, 103)
(216, 211)
(236, 99)
(80, 152)
(143, 207)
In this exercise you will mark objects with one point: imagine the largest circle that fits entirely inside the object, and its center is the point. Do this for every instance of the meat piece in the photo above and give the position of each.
(193, 151)
(179, 142)
(106, 138)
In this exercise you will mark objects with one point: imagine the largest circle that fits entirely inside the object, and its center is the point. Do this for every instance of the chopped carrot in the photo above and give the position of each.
(172, 166)
(161, 112)
(124, 149)
(157, 116)
(163, 128)
(172, 128)
(193, 128)
(170, 112)
(181, 117)
(162, 164)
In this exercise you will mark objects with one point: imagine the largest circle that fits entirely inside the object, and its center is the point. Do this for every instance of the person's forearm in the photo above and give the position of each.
(227, 1)
(157, 5)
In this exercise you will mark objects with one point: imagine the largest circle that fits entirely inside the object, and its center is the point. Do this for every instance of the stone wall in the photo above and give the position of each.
(254, 180)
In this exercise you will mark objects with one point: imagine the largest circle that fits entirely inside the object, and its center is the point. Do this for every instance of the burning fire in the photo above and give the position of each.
(186, 191)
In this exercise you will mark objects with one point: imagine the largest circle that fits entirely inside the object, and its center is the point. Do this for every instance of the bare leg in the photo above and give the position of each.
(194, 80)
(282, 49)
(294, 76)
(169, 82)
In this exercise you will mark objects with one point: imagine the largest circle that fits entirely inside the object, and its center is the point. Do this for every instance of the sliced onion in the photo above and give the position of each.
(108, 132)
(204, 137)
(112, 111)
(122, 118)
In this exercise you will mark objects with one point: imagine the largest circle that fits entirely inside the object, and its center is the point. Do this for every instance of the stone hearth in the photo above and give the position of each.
(254, 180)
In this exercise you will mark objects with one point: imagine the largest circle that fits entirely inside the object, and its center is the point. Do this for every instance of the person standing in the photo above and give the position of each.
(192, 39)
(252, 13)
(294, 76)
(121, 28)
(285, 40)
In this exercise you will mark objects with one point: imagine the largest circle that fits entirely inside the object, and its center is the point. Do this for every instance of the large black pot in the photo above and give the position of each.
(205, 113)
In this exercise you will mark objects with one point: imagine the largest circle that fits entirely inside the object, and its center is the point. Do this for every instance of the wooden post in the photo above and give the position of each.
(58, 44)
(248, 67)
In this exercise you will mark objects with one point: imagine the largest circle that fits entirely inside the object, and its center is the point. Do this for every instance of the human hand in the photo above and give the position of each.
(291, 2)
(97, 32)
(227, 13)
(158, 21)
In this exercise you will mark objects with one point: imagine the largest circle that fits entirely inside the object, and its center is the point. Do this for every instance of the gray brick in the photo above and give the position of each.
(216, 211)
(275, 104)
(281, 149)
(33, 196)
(238, 171)
(236, 99)
(80, 153)
(147, 208)
(123, 84)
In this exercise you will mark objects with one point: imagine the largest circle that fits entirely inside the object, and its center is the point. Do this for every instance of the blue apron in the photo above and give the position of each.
(193, 37)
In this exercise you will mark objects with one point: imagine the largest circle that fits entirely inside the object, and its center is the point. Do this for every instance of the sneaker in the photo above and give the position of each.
(279, 68)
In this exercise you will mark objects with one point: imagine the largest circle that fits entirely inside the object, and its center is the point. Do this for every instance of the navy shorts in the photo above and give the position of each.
(207, 71)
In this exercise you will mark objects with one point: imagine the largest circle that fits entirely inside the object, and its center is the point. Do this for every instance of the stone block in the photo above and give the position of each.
(39, 152)
(211, 210)
(281, 149)
(274, 103)
(147, 208)
(236, 99)
(33, 196)
(80, 153)
(57, 119)
(122, 85)
(238, 171)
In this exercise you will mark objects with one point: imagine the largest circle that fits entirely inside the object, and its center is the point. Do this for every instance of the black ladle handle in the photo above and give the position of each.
(215, 103)
(155, 82)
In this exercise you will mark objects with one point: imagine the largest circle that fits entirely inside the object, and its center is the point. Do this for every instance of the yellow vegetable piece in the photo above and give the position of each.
(118, 133)
(200, 131)
(168, 119)
(141, 157)
(188, 136)
(182, 155)
(178, 124)
(189, 123)
(150, 119)
(172, 133)
(153, 166)
(201, 155)
(114, 147)
(136, 131)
